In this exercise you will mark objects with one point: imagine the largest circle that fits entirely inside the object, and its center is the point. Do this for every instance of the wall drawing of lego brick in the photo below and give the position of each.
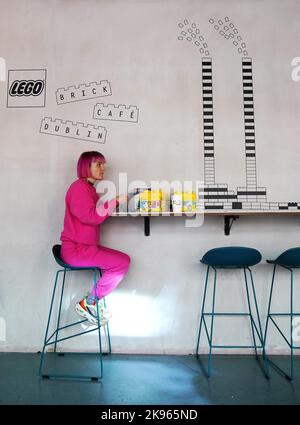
(208, 121)
(192, 34)
(73, 130)
(83, 92)
(116, 112)
(249, 128)
(226, 28)
(250, 197)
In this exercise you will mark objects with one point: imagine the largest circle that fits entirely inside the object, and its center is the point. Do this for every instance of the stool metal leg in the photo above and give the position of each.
(268, 315)
(250, 312)
(258, 330)
(98, 319)
(106, 326)
(59, 311)
(107, 332)
(202, 311)
(291, 314)
(202, 320)
(261, 338)
(212, 324)
(48, 323)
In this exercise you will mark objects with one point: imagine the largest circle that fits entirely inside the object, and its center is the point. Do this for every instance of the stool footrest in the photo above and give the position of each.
(237, 346)
(71, 336)
(64, 327)
(284, 314)
(70, 325)
(227, 314)
(78, 353)
(80, 377)
(260, 337)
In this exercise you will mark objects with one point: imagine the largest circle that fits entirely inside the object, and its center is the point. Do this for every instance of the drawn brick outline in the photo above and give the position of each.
(209, 164)
(79, 87)
(77, 124)
(120, 107)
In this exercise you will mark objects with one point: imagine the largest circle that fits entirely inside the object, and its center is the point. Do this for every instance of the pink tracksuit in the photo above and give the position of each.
(80, 236)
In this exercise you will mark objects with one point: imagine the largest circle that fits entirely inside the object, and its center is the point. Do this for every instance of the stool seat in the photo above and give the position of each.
(232, 257)
(56, 251)
(289, 258)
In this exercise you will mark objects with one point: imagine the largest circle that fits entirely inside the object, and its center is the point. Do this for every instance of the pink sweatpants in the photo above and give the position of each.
(114, 264)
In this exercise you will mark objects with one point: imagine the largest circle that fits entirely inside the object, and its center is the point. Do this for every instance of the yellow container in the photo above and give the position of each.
(189, 202)
(151, 201)
(145, 201)
(155, 201)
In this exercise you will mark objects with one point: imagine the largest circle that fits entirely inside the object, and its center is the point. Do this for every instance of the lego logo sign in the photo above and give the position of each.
(26, 88)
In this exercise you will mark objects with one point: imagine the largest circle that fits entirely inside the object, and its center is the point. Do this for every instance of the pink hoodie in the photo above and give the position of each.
(83, 213)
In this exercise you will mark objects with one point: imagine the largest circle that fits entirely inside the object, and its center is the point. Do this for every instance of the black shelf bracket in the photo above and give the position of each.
(147, 226)
(228, 220)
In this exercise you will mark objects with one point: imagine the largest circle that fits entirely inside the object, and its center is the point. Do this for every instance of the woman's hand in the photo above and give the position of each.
(122, 199)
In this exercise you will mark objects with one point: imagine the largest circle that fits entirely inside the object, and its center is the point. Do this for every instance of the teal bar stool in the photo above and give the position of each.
(54, 337)
(289, 260)
(234, 257)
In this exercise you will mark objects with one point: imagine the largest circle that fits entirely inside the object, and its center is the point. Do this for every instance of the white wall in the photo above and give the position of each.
(134, 45)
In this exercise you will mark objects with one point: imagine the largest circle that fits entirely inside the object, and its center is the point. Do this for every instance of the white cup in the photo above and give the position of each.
(177, 203)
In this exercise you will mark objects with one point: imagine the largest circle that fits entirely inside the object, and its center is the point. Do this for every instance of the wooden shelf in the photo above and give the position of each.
(205, 212)
(229, 216)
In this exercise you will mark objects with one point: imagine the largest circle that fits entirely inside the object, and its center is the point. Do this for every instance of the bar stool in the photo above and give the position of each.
(53, 338)
(289, 260)
(234, 257)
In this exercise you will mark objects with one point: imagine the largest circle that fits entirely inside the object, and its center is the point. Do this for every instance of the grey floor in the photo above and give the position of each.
(147, 379)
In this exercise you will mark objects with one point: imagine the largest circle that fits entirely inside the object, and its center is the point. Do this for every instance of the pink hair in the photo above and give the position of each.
(84, 163)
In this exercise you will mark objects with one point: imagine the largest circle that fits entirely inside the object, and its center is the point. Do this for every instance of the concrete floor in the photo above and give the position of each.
(147, 380)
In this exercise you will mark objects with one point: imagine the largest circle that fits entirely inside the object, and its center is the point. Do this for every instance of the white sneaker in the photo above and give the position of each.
(89, 312)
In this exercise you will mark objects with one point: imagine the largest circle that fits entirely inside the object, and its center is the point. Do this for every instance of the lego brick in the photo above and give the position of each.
(73, 130)
(113, 112)
(83, 92)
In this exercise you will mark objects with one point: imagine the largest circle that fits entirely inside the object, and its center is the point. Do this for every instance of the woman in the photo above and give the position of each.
(80, 236)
